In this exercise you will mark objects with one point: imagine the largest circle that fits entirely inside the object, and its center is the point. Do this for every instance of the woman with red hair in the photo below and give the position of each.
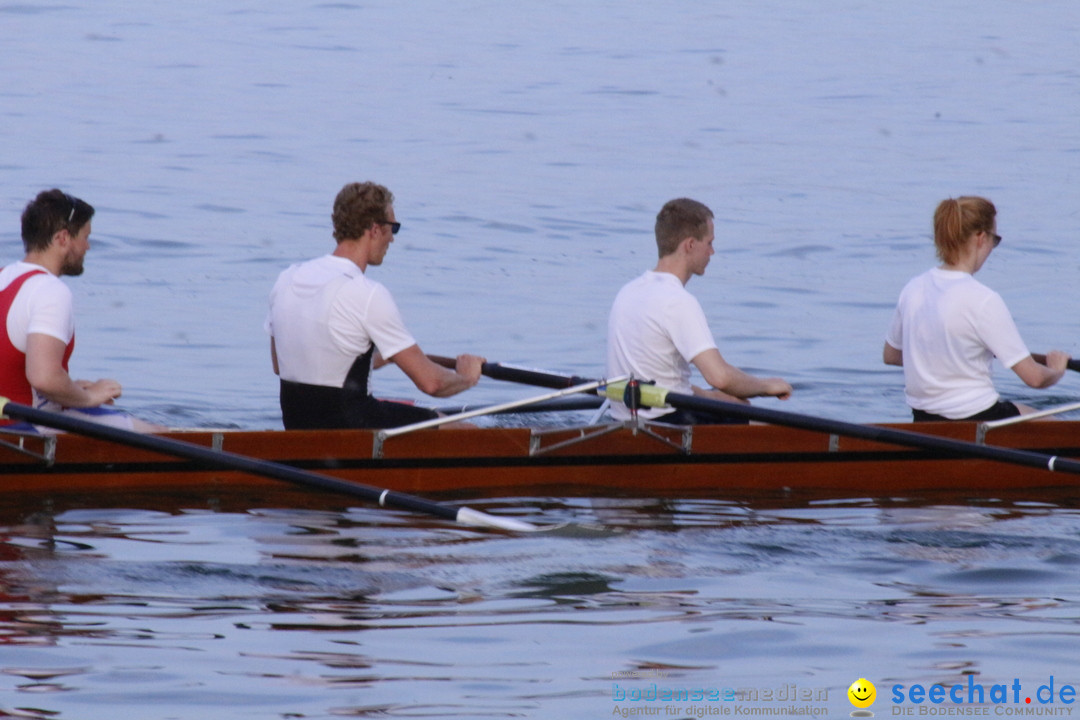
(948, 327)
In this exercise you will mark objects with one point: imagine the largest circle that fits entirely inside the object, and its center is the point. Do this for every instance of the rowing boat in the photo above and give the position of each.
(655, 460)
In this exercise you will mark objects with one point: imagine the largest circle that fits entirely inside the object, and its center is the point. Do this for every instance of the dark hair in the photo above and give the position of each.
(357, 207)
(679, 219)
(956, 220)
(49, 213)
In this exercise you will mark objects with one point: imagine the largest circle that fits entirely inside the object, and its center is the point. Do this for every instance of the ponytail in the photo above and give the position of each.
(956, 220)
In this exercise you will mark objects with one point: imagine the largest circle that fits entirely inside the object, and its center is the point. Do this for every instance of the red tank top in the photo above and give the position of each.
(13, 383)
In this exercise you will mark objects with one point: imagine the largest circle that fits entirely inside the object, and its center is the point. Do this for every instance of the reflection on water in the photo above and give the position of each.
(359, 612)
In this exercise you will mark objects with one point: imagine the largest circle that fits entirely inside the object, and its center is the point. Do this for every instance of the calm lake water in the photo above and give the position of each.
(530, 146)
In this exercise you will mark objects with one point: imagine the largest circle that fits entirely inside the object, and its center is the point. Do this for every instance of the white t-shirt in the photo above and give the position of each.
(43, 305)
(324, 313)
(950, 327)
(656, 327)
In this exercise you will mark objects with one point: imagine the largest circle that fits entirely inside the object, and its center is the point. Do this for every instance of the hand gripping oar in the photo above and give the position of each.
(277, 471)
(654, 396)
(1073, 364)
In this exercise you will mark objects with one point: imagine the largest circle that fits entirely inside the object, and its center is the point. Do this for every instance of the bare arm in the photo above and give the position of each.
(733, 381)
(273, 355)
(1042, 376)
(46, 374)
(436, 380)
(892, 356)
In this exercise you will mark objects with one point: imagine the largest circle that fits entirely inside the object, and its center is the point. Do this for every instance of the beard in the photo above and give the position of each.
(72, 267)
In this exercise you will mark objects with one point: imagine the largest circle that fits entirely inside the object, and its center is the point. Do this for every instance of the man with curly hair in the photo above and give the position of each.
(330, 326)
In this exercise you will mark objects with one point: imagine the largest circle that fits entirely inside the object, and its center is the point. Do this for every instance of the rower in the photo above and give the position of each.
(657, 329)
(37, 336)
(330, 326)
(948, 327)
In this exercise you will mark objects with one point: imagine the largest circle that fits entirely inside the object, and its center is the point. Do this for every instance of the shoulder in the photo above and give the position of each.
(976, 290)
(322, 265)
(671, 291)
(45, 285)
(361, 284)
(988, 298)
(364, 295)
(655, 284)
(10, 273)
(919, 280)
(639, 281)
(312, 277)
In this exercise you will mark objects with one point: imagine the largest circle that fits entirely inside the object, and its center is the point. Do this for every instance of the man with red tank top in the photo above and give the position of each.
(38, 332)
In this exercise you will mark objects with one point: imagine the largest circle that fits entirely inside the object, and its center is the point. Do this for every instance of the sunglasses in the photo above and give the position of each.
(71, 215)
(394, 226)
(996, 238)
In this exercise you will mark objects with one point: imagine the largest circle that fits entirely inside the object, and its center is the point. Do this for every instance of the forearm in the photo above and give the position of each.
(58, 387)
(435, 380)
(743, 385)
(46, 374)
(1046, 377)
(714, 394)
(1039, 376)
(451, 383)
(733, 381)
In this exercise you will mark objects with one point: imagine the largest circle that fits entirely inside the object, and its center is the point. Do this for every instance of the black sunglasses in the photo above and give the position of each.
(394, 226)
(996, 238)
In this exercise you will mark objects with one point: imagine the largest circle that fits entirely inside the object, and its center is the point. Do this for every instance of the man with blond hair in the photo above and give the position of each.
(330, 326)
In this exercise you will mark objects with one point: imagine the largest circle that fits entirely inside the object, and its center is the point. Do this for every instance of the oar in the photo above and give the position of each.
(589, 386)
(654, 396)
(525, 376)
(565, 404)
(277, 471)
(1073, 364)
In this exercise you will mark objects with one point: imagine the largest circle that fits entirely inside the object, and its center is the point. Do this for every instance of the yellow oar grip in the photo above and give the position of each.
(651, 395)
(3, 404)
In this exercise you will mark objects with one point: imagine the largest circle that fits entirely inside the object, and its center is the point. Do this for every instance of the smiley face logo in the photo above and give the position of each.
(862, 693)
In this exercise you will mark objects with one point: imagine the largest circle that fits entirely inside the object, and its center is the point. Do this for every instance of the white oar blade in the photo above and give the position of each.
(468, 516)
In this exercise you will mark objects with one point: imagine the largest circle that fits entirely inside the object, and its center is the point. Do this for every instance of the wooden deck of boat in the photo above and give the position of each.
(724, 461)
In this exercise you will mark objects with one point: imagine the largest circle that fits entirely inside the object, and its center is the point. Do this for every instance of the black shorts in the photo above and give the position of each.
(314, 407)
(998, 411)
(382, 414)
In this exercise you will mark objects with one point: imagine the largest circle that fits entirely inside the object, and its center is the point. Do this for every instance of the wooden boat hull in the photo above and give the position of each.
(737, 462)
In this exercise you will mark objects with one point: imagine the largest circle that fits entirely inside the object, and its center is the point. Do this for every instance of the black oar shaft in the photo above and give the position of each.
(524, 376)
(577, 402)
(497, 371)
(220, 458)
(892, 436)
